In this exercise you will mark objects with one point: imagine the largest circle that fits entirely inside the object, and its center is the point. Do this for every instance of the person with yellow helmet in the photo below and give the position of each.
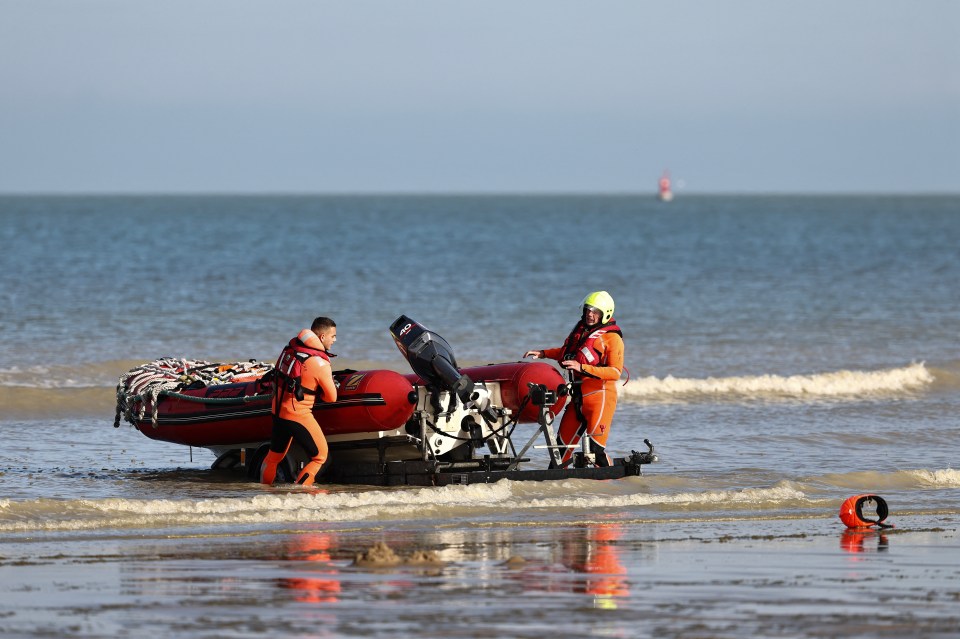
(593, 355)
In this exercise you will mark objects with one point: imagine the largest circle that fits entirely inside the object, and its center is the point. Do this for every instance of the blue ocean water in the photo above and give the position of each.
(784, 353)
(704, 285)
(815, 328)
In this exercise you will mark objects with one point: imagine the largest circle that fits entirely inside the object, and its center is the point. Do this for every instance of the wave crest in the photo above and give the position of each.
(872, 480)
(61, 376)
(839, 384)
(450, 502)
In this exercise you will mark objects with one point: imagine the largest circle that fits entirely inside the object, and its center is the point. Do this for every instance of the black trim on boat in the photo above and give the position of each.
(366, 399)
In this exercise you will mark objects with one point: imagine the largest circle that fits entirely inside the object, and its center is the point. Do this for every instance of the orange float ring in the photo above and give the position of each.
(851, 512)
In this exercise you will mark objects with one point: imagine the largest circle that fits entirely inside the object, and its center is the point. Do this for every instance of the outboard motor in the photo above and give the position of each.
(431, 357)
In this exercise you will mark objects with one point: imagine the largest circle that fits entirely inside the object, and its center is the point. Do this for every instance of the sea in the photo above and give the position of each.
(784, 353)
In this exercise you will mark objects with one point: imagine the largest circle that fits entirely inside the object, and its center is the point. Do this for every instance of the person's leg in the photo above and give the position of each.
(279, 445)
(569, 434)
(597, 408)
(312, 440)
(599, 422)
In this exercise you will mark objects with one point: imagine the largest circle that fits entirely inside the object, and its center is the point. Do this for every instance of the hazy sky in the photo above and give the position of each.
(487, 96)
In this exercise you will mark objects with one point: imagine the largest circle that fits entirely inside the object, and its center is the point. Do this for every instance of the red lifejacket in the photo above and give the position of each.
(289, 368)
(580, 345)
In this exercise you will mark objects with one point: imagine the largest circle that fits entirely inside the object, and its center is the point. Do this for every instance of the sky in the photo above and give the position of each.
(447, 96)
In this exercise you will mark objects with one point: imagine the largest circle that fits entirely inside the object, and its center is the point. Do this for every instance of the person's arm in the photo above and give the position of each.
(321, 373)
(547, 353)
(553, 353)
(326, 384)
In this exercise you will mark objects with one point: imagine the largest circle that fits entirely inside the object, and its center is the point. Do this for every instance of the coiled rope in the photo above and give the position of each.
(143, 385)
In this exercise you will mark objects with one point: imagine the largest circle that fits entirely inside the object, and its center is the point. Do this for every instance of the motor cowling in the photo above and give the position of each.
(432, 359)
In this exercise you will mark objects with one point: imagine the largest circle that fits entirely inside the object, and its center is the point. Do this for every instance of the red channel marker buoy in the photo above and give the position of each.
(851, 512)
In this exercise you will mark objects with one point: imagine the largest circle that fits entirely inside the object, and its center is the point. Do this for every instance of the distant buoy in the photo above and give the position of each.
(851, 512)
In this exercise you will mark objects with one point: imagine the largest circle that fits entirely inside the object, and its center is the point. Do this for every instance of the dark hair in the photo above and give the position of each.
(321, 324)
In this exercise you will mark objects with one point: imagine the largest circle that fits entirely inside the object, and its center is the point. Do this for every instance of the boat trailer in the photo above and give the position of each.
(460, 431)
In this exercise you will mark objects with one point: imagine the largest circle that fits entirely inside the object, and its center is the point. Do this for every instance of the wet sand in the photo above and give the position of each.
(794, 578)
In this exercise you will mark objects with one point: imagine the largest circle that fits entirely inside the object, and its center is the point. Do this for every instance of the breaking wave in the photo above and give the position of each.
(295, 507)
(501, 502)
(897, 480)
(837, 385)
(58, 376)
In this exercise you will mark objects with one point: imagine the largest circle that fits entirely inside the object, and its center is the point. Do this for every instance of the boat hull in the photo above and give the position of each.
(369, 403)
(239, 415)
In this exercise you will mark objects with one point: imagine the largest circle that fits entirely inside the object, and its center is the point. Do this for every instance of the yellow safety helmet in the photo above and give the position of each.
(601, 301)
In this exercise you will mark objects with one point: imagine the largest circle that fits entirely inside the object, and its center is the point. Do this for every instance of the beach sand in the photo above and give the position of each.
(790, 578)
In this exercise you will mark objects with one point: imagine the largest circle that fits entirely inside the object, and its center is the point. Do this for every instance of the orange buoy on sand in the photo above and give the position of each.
(851, 512)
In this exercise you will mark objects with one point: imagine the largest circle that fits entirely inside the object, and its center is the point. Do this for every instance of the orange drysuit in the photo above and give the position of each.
(598, 386)
(293, 418)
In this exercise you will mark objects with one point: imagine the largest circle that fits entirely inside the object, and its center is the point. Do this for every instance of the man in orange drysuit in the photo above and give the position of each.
(303, 375)
(593, 353)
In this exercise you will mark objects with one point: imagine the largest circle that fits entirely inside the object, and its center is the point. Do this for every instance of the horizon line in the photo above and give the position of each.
(472, 193)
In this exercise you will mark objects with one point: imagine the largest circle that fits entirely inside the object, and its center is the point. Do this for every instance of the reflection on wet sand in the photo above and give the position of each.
(596, 577)
(859, 540)
(585, 559)
(598, 558)
(322, 583)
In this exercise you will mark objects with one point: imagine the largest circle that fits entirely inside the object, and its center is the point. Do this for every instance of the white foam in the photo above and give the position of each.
(321, 502)
(839, 384)
(898, 480)
(945, 478)
(771, 496)
(450, 502)
(54, 378)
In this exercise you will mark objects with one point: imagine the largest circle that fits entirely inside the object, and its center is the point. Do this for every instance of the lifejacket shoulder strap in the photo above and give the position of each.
(290, 366)
(611, 327)
(581, 333)
(304, 352)
(574, 338)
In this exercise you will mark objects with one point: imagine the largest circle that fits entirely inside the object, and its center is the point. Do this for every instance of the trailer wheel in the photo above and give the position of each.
(227, 461)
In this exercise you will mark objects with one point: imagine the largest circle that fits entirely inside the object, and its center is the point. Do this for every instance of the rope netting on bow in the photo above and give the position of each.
(143, 385)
